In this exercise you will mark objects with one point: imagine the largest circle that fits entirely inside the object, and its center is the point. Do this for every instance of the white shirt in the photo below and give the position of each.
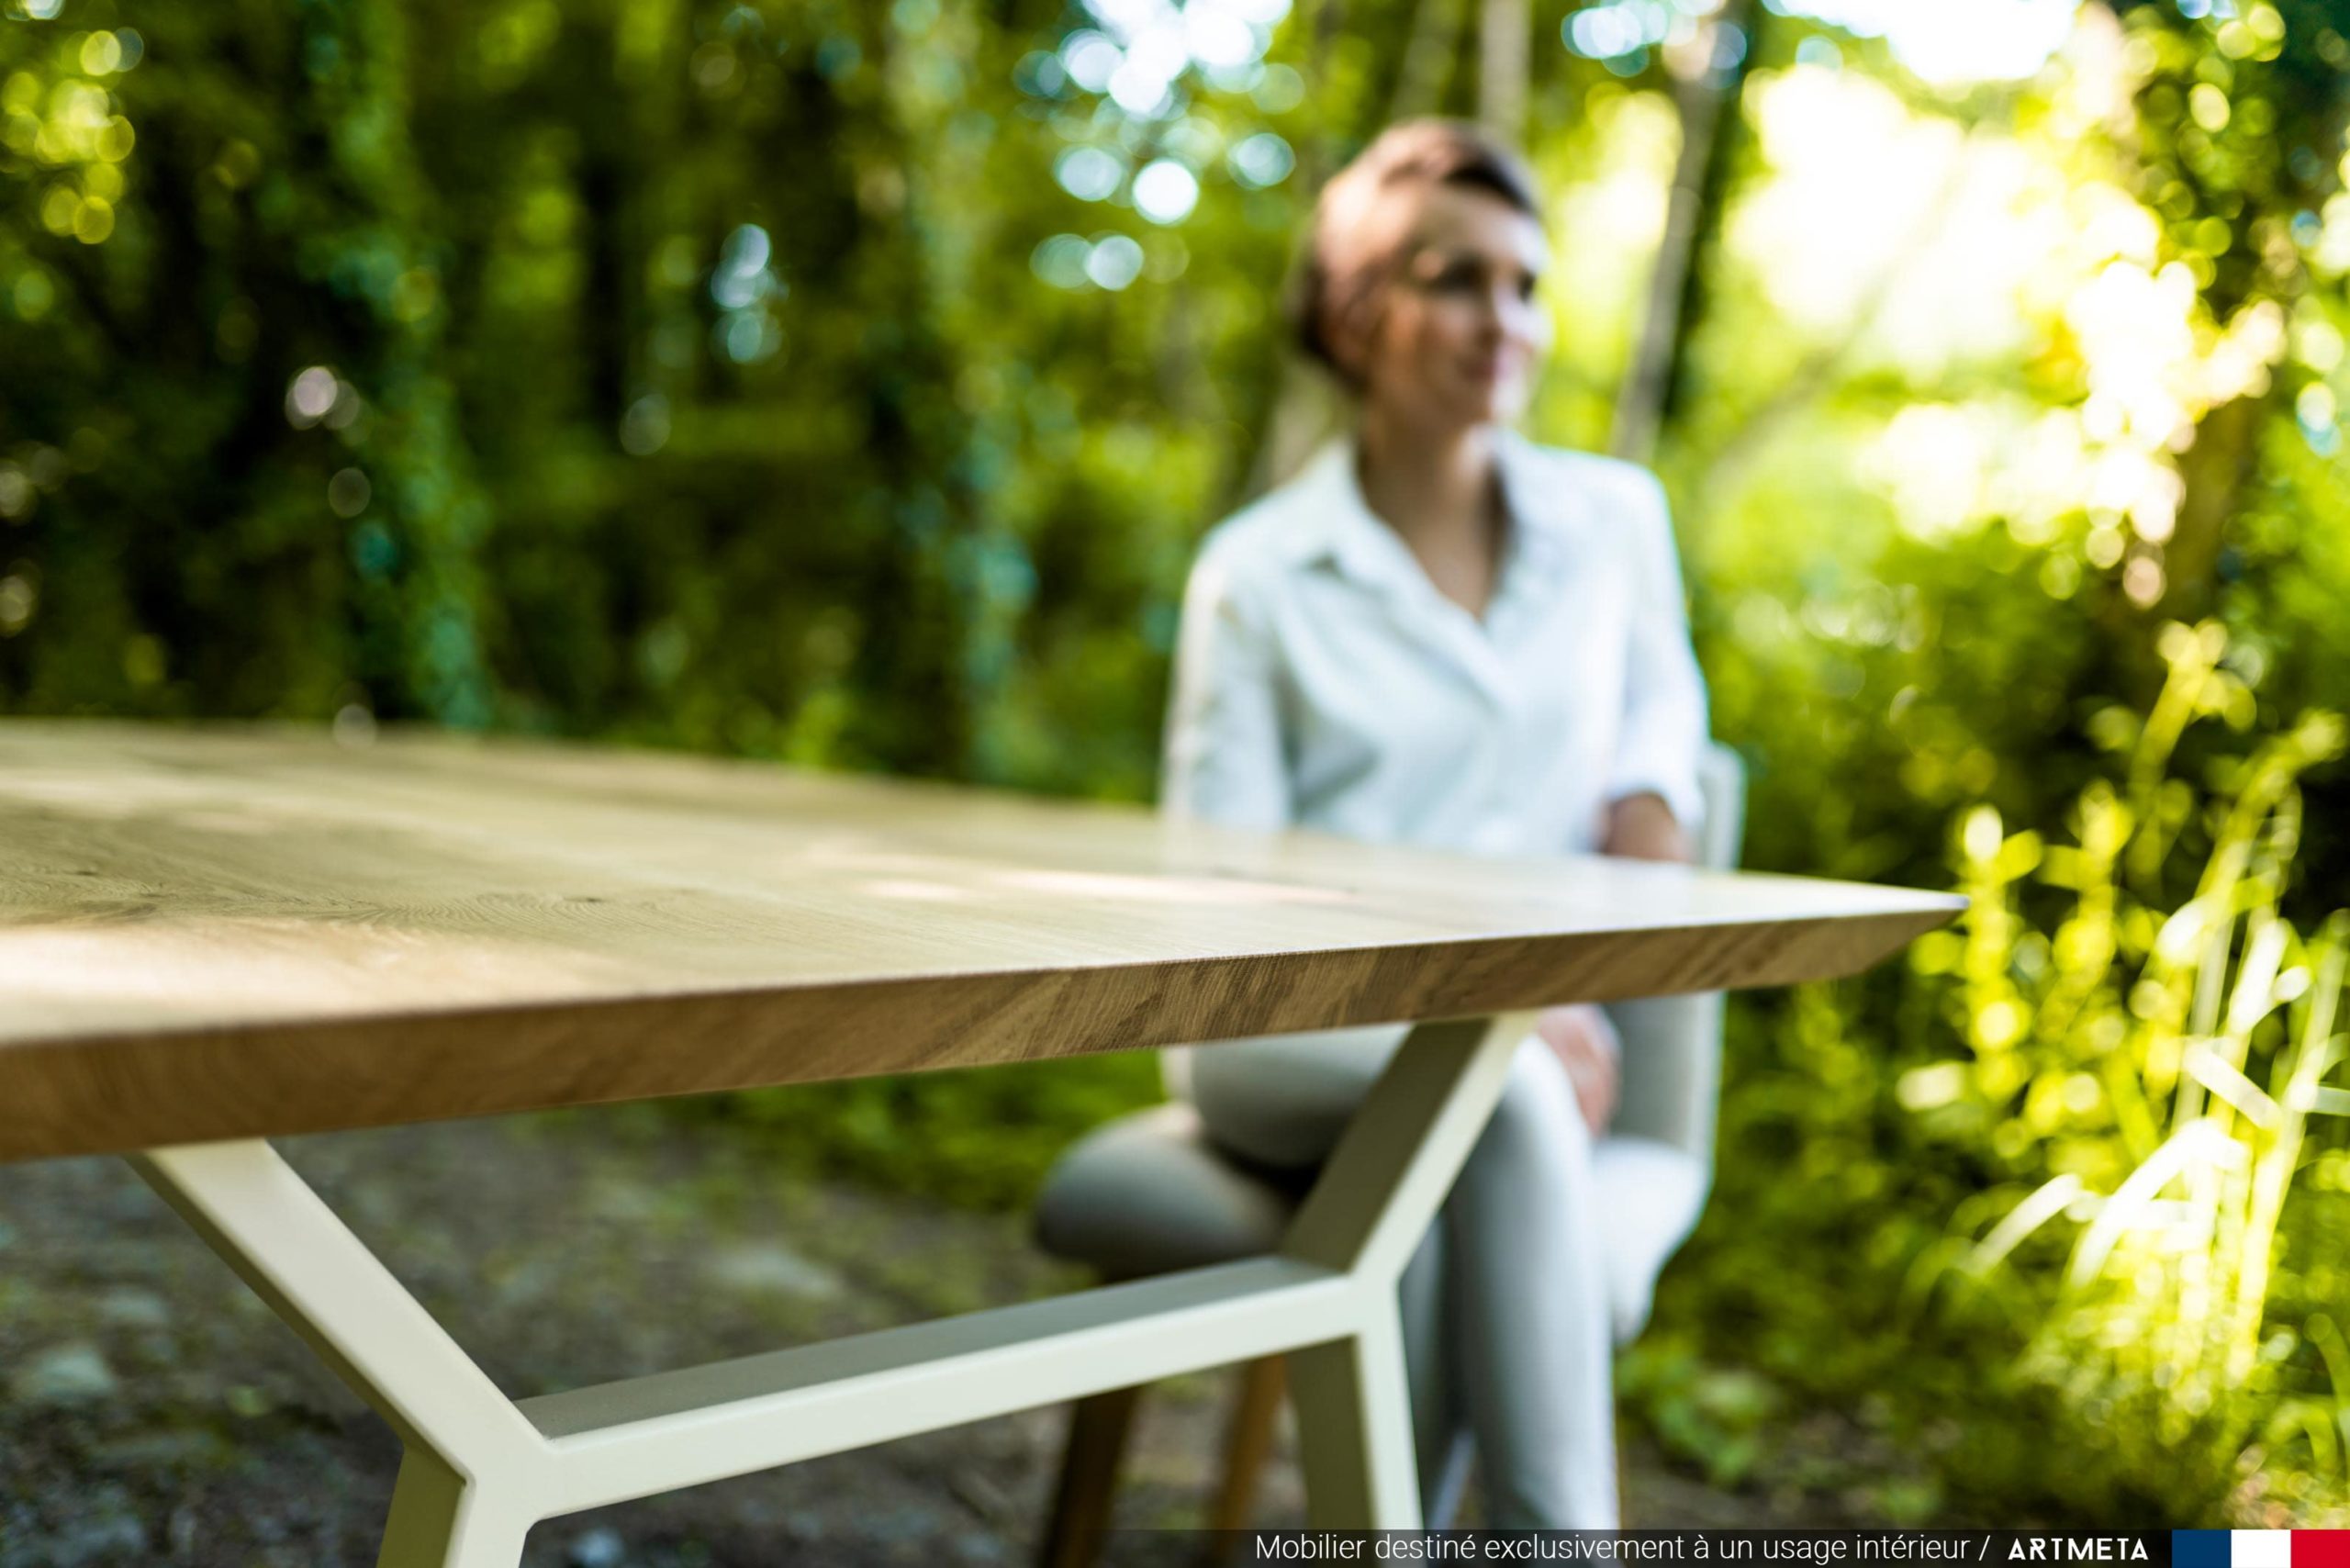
(1323, 682)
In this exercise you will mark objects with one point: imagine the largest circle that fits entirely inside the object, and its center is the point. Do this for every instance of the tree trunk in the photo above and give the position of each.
(1504, 39)
(1426, 68)
(2224, 460)
(1707, 93)
(1307, 408)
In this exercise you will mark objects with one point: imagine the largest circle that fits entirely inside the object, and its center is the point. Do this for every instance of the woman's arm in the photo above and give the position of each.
(1642, 827)
(1224, 760)
(1653, 800)
(1652, 792)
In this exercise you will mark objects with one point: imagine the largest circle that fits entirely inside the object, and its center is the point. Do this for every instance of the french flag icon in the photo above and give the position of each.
(2260, 1549)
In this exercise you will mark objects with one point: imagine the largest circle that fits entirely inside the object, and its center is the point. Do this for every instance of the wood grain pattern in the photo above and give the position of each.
(224, 933)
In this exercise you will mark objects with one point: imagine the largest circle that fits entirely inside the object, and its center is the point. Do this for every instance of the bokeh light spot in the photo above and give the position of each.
(1115, 262)
(348, 492)
(1089, 174)
(1060, 260)
(645, 428)
(1166, 192)
(1262, 160)
(310, 395)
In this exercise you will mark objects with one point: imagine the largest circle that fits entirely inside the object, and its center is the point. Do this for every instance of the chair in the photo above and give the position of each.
(1150, 1193)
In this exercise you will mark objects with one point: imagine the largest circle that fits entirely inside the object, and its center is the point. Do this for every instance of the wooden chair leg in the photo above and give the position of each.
(1249, 1445)
(1097, 1442)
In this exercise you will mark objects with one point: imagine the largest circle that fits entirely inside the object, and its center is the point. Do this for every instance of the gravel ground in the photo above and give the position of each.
(156, 1412)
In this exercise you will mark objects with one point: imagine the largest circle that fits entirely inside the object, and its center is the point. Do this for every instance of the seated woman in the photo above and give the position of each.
(1442, 633)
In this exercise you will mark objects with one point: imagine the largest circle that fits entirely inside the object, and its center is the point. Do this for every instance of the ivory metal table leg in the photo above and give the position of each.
(438, 1520)
(472, 1462)
(1375, 1199)
(1354, 1431)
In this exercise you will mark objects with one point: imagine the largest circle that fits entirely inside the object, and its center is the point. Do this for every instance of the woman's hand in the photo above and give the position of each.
(1586, 1046)
(1642, 827)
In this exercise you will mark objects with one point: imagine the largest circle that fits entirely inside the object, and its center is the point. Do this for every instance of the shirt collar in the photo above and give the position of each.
(1340, 528)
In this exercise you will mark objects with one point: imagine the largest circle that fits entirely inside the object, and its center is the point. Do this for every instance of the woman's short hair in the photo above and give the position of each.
(1340, 273)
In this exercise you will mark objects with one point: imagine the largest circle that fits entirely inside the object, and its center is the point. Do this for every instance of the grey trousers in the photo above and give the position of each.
(1506, 1315)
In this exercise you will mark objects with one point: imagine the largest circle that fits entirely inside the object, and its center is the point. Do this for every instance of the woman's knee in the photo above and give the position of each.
(1282, 1100)
(1537, 1114)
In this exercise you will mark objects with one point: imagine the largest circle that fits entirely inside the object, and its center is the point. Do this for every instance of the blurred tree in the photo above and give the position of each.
(1709, 92)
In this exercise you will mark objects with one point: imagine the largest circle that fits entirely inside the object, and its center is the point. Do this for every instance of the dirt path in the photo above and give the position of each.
(152, 1411)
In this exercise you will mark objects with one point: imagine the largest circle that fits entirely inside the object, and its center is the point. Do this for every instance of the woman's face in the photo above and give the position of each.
(1456, 337)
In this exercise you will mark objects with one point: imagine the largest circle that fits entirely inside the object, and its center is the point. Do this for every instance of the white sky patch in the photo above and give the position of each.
(1952, 42)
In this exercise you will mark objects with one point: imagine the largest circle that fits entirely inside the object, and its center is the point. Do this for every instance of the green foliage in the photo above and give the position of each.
(982, 1138)
(1893, 667)
(2118, 1063)
(840, 501)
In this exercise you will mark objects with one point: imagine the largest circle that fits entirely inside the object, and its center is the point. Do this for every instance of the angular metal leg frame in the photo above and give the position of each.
(480, 1469)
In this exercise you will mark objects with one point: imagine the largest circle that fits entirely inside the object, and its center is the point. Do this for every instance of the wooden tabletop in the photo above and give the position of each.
(209, 934)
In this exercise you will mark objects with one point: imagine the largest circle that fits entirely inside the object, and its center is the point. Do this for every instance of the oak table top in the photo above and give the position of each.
(217, 933)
